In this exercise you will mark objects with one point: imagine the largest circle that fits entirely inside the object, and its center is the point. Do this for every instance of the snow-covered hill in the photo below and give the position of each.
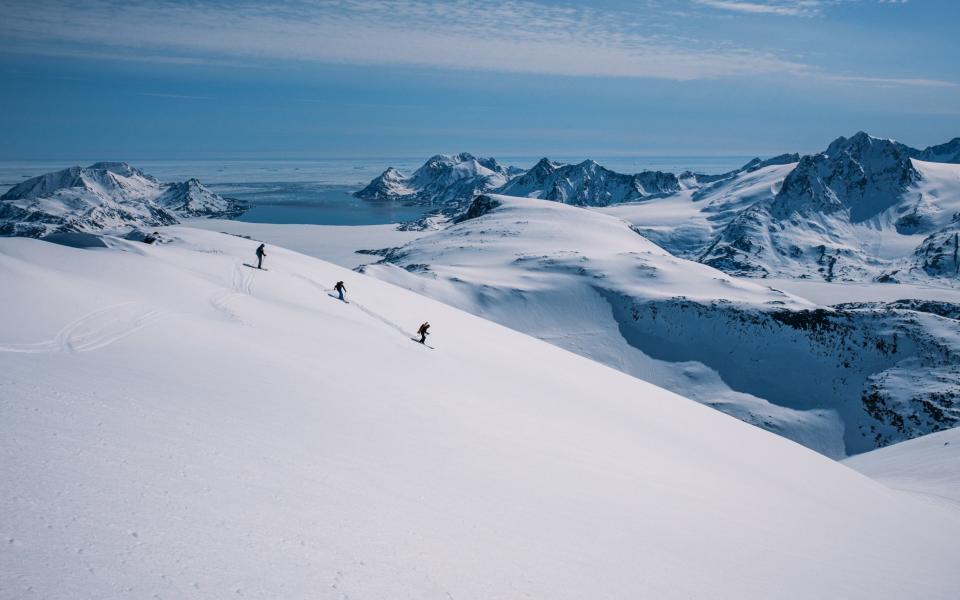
(928, 466)
(839, 380)
(176, 424)
(104, 196)
(441, 180)
(588, 184)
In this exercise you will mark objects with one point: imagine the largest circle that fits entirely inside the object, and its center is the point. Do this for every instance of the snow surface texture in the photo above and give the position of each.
(175, 424)
(841, 381)
(104, 197)
(928, 466)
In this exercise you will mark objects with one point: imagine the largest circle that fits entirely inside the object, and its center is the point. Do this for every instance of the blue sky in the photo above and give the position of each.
(390, 78)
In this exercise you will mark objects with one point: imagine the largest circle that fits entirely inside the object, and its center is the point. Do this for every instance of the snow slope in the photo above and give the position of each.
(175, 424)
(333, 243)
(686, 223)
(840, 381)
(928, 466)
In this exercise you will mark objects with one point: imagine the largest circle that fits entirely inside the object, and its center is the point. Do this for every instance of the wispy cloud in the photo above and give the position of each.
(513, 36)
(893, 81)
(799, 8)
(173, 96)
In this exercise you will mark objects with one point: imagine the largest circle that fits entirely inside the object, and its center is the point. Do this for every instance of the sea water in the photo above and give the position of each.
(320, 191)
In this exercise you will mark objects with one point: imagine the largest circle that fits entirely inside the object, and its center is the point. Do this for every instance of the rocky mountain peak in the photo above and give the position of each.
(861, 174)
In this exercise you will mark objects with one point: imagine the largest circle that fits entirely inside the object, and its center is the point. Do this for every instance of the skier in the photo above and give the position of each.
(423, 332)
(340, 289)
(260, 254)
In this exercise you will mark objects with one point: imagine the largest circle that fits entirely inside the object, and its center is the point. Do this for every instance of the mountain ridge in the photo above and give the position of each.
(105, 196)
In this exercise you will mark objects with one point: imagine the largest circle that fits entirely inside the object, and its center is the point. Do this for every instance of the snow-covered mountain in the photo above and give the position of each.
(104, 196)
(861, 210)
(176, 424)
(456, 180)
(948, 152)
(839, 380)
(864, 209)
(441, 180)
(861, 176)
(851, 213)
(696, 180)
(191, 199)
(588, 184)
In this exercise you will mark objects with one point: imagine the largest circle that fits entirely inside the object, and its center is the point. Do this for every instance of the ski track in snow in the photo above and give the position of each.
(241, 284)
(357, 305)
(379, 317)
(94, 330)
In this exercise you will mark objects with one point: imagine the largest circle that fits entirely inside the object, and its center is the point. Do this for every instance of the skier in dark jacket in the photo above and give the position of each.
(260, 254)
(423, 332)
(341, 289)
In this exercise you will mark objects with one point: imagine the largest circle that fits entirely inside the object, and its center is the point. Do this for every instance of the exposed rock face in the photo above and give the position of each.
(888, 369)
(480, 206)
(939, 253)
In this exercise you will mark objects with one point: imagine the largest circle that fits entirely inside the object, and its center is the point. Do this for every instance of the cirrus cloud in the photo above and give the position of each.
(513, 36)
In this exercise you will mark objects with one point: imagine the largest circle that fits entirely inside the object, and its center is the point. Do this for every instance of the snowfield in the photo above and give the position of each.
(838, 381)
(928, 466)
(176, 424)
